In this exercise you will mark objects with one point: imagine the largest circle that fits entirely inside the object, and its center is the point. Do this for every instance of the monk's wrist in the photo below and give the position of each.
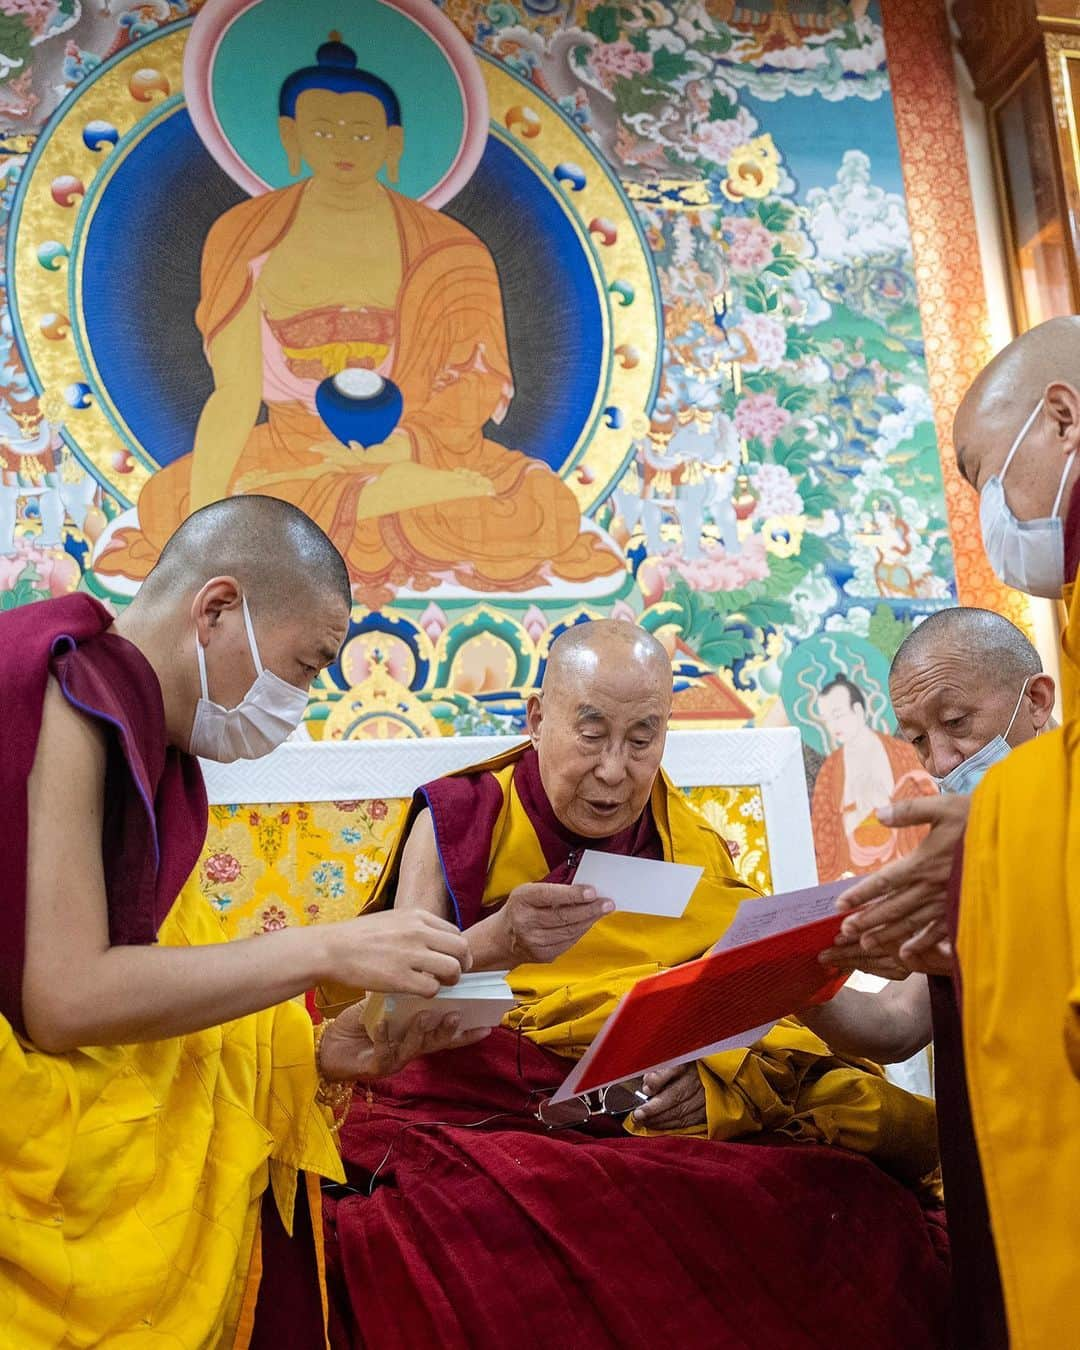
(490, 942)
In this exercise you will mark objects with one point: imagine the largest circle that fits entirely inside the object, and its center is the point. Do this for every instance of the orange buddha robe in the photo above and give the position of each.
(449, 359)
(878, 844)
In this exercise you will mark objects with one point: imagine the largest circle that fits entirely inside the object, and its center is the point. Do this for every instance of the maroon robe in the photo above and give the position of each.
(468, 1225)
(155, 802)
(155, 817)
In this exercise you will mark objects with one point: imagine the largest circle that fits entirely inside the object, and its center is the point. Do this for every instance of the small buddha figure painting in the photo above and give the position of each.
(370, 326)
(837, 693)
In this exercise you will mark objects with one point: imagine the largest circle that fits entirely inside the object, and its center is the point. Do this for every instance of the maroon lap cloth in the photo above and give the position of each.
(508, 1236)
(288, 1309)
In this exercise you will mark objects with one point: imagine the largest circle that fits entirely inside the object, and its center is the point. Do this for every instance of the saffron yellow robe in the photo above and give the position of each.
(131, 1177)
(1018, 949)
(789, 1083)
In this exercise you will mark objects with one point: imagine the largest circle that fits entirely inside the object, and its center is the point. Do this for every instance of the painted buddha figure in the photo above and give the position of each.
(338, 272)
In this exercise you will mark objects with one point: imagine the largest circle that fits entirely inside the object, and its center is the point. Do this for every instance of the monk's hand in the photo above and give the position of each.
(348, 1050)
(851, 957)
(676, 1099)
(542, 920)
(404, 951)
(900, 911)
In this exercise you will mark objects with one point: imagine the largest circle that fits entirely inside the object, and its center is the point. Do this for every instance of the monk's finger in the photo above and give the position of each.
(889, 938)
(656, 1079)
(915, 811)
(898, 907)
(582, 916)
(874, 887)
(925, 939)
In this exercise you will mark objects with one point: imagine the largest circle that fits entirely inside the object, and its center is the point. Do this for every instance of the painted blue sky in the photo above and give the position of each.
(812, 135)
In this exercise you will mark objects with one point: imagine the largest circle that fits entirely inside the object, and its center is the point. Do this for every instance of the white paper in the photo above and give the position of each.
(480, 1000)
(639, 885)
(756, 919)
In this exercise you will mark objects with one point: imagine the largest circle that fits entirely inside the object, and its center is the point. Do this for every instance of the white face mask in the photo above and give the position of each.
(1026, 554)
(268, 714)
(969, 772)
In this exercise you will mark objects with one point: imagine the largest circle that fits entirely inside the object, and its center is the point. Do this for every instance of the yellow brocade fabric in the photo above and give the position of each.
(131, 1177)
(1018, 947)
(789, 1082)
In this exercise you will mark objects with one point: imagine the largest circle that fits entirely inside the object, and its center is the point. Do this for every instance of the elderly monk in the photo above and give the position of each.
(966, 686)
(470, 1223)
(154, 1079)
(1010, 901)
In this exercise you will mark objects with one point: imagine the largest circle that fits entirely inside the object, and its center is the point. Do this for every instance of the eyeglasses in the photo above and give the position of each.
(617, 1100)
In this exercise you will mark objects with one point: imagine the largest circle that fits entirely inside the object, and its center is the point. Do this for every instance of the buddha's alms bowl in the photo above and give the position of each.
(359, 406)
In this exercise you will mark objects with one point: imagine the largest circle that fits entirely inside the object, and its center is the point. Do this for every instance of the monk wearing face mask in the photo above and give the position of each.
(162, 1105)
(996, 880)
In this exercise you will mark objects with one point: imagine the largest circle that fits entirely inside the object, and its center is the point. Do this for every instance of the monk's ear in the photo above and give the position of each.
(291, 143)
(1062, 403)
(534, 715)
(1041, 692)
(217, 596)
(395, 146)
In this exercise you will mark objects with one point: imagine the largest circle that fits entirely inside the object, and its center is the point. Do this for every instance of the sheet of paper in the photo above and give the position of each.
(756, 919)
(639, 885)
(479, 1000)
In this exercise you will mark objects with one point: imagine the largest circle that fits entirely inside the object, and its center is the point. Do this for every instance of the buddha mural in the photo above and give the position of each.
(316, 299)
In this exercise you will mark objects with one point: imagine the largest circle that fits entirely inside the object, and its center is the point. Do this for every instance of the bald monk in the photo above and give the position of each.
(966, 686)
(469, 1222)
(154, 1081)
(996, 875)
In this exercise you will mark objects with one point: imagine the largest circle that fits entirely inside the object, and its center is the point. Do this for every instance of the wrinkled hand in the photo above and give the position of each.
(348, 1051)
(851, 957)
(542, 920)
(900, 911)
(676, 1099)
(405, 951)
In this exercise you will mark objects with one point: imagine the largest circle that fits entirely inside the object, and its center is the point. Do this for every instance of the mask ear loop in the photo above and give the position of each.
(1020, 700)
(1061, 485)
(200, 656)
(252, 644)
(1020, 439)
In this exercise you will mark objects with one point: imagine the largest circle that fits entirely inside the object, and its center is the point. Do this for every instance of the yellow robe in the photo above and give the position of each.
(1018, 948)
(131, 1177)
(789, 1083)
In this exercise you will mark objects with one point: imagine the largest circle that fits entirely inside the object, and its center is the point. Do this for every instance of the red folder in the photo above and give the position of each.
(672, 1015)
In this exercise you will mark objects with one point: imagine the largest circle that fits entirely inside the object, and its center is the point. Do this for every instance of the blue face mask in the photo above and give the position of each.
(969, 773)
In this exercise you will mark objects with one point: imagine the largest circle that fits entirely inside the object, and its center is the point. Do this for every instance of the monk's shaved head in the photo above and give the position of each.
(248, 559)
(583, 649)
(599, 725)
(960, 679)
(997, 649)
(278, 555)
(1043, 364)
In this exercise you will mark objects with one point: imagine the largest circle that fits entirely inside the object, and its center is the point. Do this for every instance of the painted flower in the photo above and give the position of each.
(57, 572)
(351, 836)
(752, 808)
(221, 868)
(274, 919)
(365, 869)
(312, 911)
(760, 417)
(750, 245)
(378, 810)
(613, 61)
(716, 141)
(768, 337)
(347, 806)
(776, 492)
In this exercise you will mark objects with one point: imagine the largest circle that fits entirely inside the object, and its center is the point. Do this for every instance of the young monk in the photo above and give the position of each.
(154, 1080)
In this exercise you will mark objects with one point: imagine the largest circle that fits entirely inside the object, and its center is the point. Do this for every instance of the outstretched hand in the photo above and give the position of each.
(348, 1050)
(900, 912)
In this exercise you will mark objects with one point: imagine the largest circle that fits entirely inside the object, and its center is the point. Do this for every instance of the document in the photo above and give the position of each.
(727, 1000)
(480, 999)
(639, 885)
